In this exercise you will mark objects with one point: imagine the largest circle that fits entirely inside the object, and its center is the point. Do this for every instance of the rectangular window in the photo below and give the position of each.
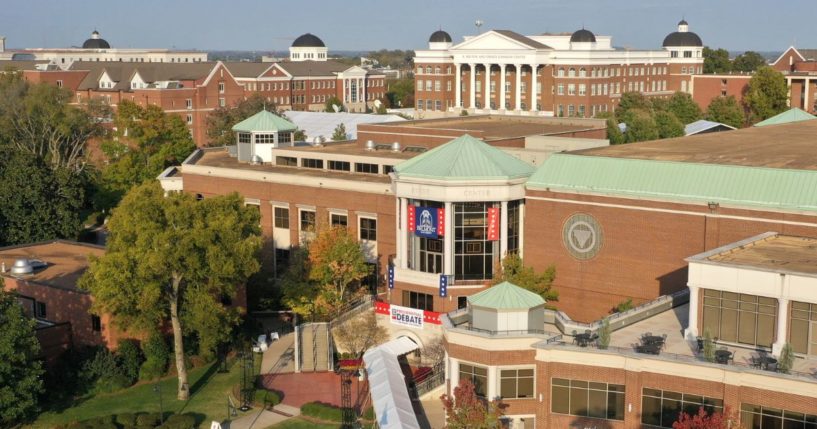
(338, 219)
(474, 255)
(419, 84)
(477, 375)
(662, 408)
(368, 229)
(59, 83)
(582, 89)
(287, 161)
(587, 399)
(428, 85)
(361, 167)
(740, 318)
(307, 221)
(571, 89)
(311, 163)
(516, 383)
(244, 137)
(560, 89)
(221, 87)
(758, 417)
(222, 102)
(189, 119)
(448, 86)
(437, 85)
(418, 300)
(339, 165)
(96, 323)
(189, 103)
(281, 215)
(265, 138)
(40, 309)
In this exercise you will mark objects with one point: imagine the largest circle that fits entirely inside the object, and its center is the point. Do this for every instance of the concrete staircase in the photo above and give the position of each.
(314, 344)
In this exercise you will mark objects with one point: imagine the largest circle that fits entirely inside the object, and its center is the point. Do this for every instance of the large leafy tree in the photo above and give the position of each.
(668, 125)
(400, 92)
(716, 60)
(326, 274)
(172, 260)
(148, 141)
(641, 126)
(40, 202)
(360, 334)
(512, 269)
(331, 102)
(748, 61)
(630, 101)
(767, 94)
(465, 410)
(726, 110)
(684, 108)
(220, 122)
(20, 370)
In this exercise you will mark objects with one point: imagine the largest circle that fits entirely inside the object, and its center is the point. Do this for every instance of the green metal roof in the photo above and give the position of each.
(792, 115)
(506, 296)
(776, 188)
(264, 121)
(464, 158)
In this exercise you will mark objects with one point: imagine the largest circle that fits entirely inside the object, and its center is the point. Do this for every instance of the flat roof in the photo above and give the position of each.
(354, 148)
(221, 158)
(768, 251)
(503, 127)
(788, 146)
(66, 261)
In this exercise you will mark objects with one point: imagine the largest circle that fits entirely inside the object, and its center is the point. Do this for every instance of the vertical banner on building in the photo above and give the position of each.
(493, 223)
(427, 222)
(410, 218)
(441, 221)
(391, 276)
(443, 285)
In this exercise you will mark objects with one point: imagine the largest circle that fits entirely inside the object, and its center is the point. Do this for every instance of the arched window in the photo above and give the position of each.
(561, 72)
(571, 72)
(428, 69)
(437, 70)
(582, 72)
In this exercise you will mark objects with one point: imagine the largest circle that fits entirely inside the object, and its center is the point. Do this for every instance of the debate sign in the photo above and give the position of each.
(428, 222)
(404, 316)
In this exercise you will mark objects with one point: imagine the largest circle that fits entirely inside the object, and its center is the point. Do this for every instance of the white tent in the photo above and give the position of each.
(317, 124)
(392, 403)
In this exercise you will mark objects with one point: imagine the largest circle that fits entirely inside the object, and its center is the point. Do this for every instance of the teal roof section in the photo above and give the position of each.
(792, 115)
(785, 189)
(506, 296)
(464, 158)
(264, 121)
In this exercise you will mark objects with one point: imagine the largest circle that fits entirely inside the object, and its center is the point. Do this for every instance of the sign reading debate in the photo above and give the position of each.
(404, 316)
(428, 222)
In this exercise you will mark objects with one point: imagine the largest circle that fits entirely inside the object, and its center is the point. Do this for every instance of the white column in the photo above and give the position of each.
(365, 101)
(533, 96)
(343, 90)
(486, 99)
(522, 228)
(458, 86)
(503, 229)
(692, 325)
(518, 86)
(502, 86)
(472, 93)
(402, 234)
(806, 104)
(448, 240)
(782, 324)
(399, 249)
(492, 382)
(454, 375)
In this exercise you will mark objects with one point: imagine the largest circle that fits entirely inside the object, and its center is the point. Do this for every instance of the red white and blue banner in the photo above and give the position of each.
(428, 222)
(443, 285)
(391, 276)
(405, 316)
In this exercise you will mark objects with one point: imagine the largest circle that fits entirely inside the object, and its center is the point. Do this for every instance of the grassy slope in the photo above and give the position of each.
(208, 400)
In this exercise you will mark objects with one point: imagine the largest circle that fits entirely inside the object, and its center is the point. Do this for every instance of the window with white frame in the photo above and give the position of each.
(516, 383)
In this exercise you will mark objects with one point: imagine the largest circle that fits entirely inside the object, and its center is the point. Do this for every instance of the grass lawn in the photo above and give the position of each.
(300, 423)
(208, 399)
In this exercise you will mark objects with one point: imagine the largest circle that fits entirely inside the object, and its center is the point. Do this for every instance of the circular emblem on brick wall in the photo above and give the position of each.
(582, 236)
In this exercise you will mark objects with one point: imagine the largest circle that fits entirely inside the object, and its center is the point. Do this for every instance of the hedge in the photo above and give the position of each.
(322, 411)
(266, 398)
(134, 421)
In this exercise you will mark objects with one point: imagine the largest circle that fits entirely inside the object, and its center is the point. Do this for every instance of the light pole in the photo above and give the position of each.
(157, 388)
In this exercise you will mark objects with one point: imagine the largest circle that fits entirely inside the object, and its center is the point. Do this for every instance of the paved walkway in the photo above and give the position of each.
(280, 356)
(262, 418)
(304, 387)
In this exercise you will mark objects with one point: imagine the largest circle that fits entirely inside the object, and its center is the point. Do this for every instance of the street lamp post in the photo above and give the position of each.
(157, 388)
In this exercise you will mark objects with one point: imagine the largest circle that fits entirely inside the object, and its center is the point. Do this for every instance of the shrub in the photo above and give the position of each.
(179, 421)
(126, 419)
(104, 372)
(156, 357)
(623, 306)
(265, 398)
(130, 358)
(786, 359)
(604, 333)
(147, 419)
(322, 411)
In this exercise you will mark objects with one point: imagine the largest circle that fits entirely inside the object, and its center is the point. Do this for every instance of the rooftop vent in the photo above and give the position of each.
(370, 145)
(395, 147)
(22, 267)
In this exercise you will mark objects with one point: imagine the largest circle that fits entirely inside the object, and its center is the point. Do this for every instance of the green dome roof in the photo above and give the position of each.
(506, 296)
(264, 121)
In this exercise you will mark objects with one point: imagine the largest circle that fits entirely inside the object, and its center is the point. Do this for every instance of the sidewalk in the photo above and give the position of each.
(261, 418)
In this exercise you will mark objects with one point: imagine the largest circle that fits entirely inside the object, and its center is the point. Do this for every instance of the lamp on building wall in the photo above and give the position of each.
(713, 206)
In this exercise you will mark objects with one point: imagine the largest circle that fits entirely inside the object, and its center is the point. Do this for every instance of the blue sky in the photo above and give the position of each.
(267, 25)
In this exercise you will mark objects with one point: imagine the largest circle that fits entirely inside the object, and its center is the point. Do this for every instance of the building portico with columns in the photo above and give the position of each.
(568, 74)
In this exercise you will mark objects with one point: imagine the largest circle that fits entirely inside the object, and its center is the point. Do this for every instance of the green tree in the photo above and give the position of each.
(400, 92)
(684, 108)
(725, 110)
(748, 61)
(39, 202)
(668, 125)
(148, 140)
(767, 94)
(20, 370)
(614, 133)
(786, 360)
(340, 133)
(604, 333)
(513, 270)
(465, 410)
(172, 260)
(716, 60)
(640, 126)
(359, 334)
(327, 274)
(220, 122)
(632, 100)
(331, 102)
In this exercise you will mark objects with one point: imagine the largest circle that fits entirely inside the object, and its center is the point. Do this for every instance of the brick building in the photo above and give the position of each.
(578, 74)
